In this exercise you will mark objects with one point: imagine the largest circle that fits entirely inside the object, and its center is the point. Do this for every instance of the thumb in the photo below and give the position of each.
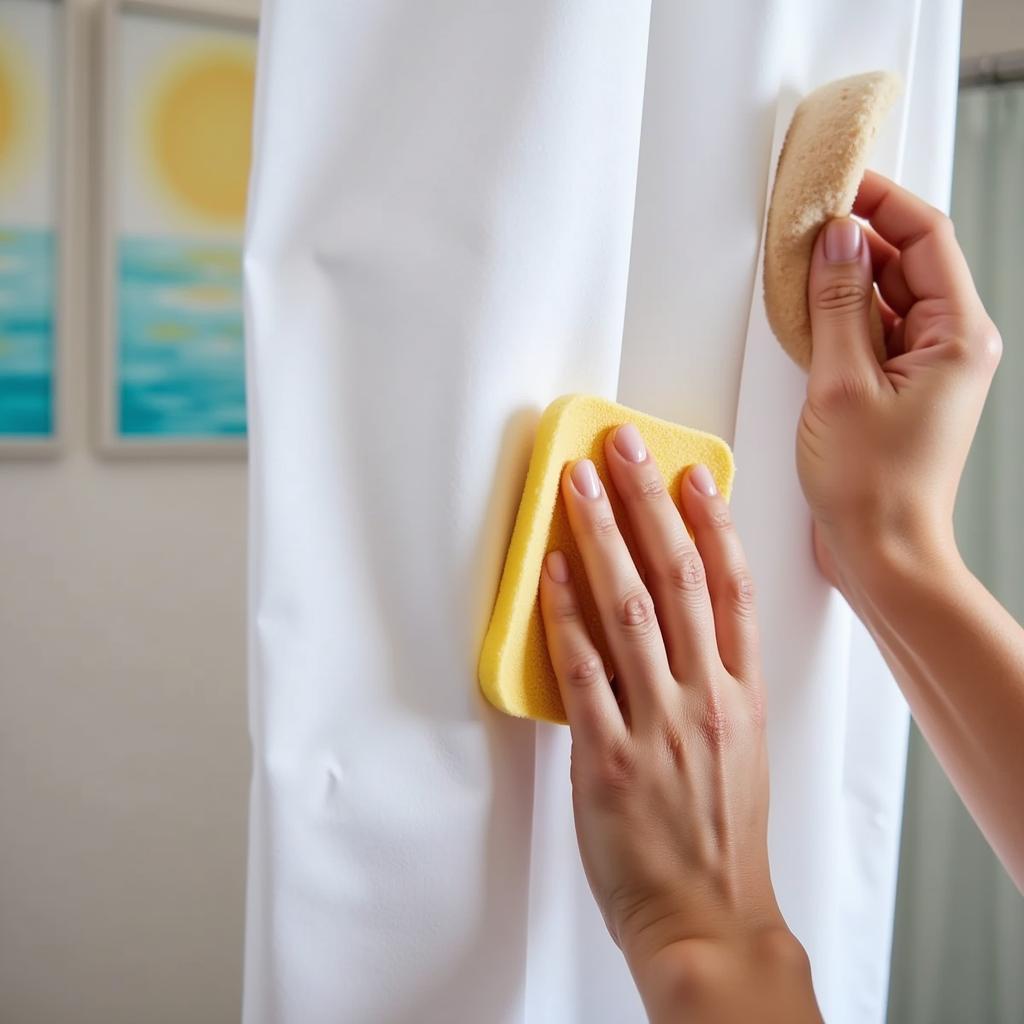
(840, 301)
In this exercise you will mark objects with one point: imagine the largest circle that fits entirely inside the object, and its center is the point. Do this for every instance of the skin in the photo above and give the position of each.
(883, 510)
(670, 782)
(669, 772)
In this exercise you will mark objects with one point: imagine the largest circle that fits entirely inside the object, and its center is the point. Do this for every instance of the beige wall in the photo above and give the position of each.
(123, 743)
(992, 26)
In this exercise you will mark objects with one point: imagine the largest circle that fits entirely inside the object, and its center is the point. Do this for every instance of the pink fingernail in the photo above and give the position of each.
(584, 476)
(842, 240)
(558, 567)
(630, 443)
(703, 481)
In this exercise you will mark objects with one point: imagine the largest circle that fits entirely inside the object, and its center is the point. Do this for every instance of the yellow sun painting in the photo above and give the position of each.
(7, 122)
(198, 132)
(15, 96)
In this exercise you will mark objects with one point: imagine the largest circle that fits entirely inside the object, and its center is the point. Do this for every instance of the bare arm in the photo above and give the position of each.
(958, 656)
(880, 452)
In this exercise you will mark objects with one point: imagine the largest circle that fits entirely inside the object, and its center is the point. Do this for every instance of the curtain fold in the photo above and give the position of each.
(959, 941)
(457, 213)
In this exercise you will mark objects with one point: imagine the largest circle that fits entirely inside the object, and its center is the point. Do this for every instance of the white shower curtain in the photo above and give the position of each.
(959, 949)
(459, 211)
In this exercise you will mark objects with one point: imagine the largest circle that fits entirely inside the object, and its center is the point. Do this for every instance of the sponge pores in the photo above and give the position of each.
(514, 669)
(823, 159)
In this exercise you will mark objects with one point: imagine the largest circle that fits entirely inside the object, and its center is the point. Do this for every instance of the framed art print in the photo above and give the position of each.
(179, 93)
(31, 243)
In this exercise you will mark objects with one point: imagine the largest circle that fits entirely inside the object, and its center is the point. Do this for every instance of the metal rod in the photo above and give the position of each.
(998, 69)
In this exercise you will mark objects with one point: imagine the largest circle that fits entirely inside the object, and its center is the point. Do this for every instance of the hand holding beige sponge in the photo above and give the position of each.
(823, 159)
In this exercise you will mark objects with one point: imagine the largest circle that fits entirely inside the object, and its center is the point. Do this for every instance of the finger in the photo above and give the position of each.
(626, 529)
(729, 581)
(931, 261)
(623, 603)
(839, 294)
(675, 573)
(888, 273)
(590, 705)
(896, 339)
(889, 318)
(893, 329)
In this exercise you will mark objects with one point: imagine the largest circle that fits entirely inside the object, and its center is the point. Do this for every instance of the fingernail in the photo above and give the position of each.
(630, 443)
(842, 240)
(558, 567)
(703, 481)
(584, 476)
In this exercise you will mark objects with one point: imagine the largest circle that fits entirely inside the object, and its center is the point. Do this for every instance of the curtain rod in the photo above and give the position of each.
(998, 69)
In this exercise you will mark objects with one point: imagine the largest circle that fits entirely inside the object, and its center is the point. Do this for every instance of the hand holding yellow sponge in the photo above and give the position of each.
(515, 671)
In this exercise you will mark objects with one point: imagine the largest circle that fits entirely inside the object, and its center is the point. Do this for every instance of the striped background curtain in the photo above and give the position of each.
(958, 952)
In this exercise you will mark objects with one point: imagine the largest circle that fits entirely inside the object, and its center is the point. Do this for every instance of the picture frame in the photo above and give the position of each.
(170, 384)
(35, 247)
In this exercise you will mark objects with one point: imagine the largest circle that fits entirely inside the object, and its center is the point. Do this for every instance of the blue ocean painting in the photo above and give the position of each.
(181, 357)
(27, 272)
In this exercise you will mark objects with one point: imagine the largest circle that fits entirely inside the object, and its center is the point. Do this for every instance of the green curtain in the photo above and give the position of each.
(958, 949)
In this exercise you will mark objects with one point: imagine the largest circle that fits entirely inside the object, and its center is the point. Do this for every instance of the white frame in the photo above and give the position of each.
(12, 446)
(109, 441)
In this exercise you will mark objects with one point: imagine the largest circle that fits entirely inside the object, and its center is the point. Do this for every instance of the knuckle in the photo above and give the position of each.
(842, 296)
(603, 525)
(740, 590)
(836, 391)
(636, 613)
(990, 346)
(615, 772)
(942, 225)
(674, 743)
(585, 670)
(719, 517)
(715, 725)
(684, 572)
(563, 611)
(650, 489)
(960, 352)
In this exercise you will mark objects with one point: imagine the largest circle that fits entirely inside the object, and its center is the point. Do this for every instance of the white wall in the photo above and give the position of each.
(124, 754)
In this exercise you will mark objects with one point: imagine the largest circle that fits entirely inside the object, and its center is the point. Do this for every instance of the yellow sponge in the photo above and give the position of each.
(515, 671)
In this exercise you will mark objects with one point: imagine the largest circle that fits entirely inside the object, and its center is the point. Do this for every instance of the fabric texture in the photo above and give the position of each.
(457, 213)
(959, 941)
(515, 669)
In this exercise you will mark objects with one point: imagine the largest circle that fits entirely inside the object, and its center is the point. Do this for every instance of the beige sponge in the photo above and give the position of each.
(823, 158)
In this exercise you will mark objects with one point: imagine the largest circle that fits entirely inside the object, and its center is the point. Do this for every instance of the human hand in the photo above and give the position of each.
(880, 449)
(669, 777)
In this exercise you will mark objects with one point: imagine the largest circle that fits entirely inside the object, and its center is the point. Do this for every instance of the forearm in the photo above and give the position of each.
(958, 657)
(766, 978)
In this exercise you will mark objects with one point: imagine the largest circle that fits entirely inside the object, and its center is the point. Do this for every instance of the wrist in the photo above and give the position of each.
(874, 566)
(763, 975)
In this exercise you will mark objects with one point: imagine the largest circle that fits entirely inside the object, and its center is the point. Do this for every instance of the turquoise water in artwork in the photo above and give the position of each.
(27, 272)
(181, 357)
